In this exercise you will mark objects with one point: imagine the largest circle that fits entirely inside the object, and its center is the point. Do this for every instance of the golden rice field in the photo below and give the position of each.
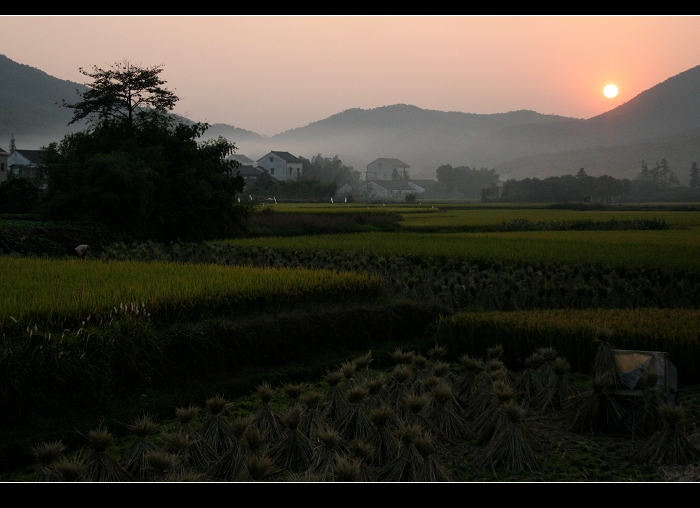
(487, 217)
(675, 249)
(341, 208)
(572, 332)
(460, 215)
(45, 291)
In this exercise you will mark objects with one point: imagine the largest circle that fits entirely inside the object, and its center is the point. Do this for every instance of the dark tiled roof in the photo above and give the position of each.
(240, 158)
(286, 156)
(248, 170)
(397, 185)
(34, 156)
(426, 184)
(391, 162)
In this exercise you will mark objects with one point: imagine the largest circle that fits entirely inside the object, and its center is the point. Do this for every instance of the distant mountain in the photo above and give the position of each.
(620, 161)
(424, 139)
(28, 105)
(661, 122)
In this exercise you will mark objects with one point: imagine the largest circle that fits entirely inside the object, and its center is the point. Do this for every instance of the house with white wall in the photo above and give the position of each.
(3, 165)
(386, 169)
(25, 164)
(281, 165)
(387, 189)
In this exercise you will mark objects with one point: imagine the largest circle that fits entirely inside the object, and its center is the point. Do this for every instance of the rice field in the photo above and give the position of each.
(674, 249)
(484, 214)
(573, 333)
(342, 208)
(486, 217)
(49, 292)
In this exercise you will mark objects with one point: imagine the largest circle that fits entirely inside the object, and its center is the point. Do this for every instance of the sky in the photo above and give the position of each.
(269, 74)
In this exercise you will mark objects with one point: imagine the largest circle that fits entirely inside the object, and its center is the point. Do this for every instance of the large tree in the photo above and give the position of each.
(146, 179)
(329, 170)
(123, 92)
(469, 182)
(694, 176)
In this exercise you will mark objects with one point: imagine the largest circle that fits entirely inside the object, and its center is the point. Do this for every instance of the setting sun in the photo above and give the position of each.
(610, 91)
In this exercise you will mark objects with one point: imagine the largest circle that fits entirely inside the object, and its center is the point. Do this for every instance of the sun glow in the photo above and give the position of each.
(610, 91)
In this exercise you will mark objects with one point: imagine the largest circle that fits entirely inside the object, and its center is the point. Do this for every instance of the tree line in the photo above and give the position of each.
(653, 183)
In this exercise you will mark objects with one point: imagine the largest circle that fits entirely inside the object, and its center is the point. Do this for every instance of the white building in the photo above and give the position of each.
(281, 165)
(3, 165)
(386, 169)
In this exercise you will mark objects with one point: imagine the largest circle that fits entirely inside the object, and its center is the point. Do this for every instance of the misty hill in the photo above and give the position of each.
(29, 108)
(28, 105)
(661, 122)
(424, 139)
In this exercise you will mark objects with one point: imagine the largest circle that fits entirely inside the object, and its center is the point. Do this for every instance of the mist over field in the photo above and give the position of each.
(663, 122)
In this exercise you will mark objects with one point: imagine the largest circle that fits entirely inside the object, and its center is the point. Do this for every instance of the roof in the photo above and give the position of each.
(426, 184)
(33, 156)
(286, 156)
(248, 170)
(391, 162)
(396, 185)
(240, 158)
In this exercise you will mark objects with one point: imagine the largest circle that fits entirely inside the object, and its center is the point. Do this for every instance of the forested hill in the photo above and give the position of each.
(29, 105)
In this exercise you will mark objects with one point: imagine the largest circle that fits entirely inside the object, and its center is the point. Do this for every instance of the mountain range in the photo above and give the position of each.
(661, 122)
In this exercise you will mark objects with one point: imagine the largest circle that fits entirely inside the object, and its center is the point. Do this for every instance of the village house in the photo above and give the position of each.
(250, 173)
(25, 164)
(387, 189)
(242, 159)
(386, 169)
(281, 165)
(3, 165)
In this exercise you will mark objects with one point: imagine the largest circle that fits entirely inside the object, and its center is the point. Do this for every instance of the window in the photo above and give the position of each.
(2, 166)
(271, 160)
(272, 171)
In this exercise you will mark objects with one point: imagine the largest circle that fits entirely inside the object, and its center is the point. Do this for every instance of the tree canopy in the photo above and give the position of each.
(465, 180)
(123, 92)
(329, 170)
(149, 179)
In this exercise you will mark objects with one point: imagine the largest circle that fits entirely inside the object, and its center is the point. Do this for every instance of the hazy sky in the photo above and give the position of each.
(269, 74)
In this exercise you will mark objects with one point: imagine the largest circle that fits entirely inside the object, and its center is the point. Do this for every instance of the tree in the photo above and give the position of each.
(149, 179)
(694, 176)
(329, 170)
(18, 195)
(465, 180)
(124, 92)
(663, 174)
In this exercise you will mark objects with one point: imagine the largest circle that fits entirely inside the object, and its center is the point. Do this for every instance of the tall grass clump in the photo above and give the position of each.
(670, 445)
